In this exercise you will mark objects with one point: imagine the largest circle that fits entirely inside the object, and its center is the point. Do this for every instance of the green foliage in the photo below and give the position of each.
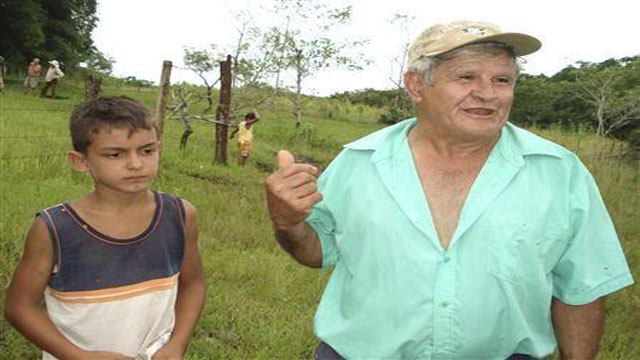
(53, 29)
(308, 134)
(203, 62)
(21, 29)
(395, 114)
(395, 102)
(604, 96)
(97, 62)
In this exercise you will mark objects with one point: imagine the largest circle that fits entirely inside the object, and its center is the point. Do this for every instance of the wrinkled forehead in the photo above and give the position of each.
(494, 58)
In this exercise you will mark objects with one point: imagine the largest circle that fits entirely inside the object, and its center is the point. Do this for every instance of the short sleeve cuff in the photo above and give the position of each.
(599, 291)
(327, 241)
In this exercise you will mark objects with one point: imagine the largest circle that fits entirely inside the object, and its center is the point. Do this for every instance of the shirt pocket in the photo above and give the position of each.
(523, 250)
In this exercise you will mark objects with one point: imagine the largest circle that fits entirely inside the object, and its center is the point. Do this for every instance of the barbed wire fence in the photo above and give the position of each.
(7, 140)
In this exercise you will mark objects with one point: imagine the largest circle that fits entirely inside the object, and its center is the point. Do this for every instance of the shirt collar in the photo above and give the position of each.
(515, 143)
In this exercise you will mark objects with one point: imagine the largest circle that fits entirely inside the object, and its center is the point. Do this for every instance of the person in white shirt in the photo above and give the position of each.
(51, 79)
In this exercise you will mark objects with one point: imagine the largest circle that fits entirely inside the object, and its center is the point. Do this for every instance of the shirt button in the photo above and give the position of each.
(444, 304)
(446, 259)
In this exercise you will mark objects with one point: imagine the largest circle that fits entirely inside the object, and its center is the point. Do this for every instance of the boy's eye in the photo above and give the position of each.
(149, 151)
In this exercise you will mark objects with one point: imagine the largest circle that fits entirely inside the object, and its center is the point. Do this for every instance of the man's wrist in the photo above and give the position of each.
(292, 232)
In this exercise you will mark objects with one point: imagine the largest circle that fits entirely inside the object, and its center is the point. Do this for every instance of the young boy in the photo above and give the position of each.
(119, 268)
(245, 136)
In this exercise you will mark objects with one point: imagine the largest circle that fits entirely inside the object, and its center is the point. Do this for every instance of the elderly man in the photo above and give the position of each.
(454, 235)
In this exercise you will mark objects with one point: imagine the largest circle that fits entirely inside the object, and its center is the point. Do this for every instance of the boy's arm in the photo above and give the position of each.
(191, 291)
(23, 306)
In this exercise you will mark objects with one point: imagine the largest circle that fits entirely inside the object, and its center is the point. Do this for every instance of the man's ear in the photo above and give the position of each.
(78, 161)
(415, 86)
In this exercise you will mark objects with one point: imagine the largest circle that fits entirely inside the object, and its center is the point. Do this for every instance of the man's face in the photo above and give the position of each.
(471, 95)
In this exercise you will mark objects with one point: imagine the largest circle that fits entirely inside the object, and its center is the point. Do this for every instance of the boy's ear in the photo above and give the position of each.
(78, 161)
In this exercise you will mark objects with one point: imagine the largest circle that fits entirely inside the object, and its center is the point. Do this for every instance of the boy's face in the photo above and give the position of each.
(118, 161)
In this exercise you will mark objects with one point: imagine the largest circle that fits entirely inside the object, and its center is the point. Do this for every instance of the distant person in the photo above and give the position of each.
(2, 71)
(51, 79)
(245, 135)
(119, 268)
(454, 234)
(32, 80)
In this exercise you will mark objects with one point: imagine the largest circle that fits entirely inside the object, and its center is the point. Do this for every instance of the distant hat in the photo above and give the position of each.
(441, 38)
(36, 60)
(54, 63)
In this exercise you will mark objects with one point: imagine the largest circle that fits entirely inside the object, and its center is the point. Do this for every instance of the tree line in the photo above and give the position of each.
(49, 29)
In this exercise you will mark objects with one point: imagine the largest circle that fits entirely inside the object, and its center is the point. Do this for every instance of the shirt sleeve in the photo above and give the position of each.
(322, 218)
(593, 264)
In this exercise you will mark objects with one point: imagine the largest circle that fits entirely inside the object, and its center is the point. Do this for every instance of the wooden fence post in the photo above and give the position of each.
(222, 113)
(161, 100)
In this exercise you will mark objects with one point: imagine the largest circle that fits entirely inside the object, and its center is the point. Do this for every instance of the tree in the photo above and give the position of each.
(398, 63)
(202, 62)
(600, 85)
(49, 29)
(98, 66)
(304, 43)
(21, 29)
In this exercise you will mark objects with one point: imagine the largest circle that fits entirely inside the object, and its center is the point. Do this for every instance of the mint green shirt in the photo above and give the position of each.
(533, 226)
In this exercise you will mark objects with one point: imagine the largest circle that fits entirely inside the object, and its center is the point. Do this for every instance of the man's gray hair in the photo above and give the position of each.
(425, 66)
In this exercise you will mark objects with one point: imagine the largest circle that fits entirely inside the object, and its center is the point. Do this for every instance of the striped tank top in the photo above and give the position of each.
(112, 294)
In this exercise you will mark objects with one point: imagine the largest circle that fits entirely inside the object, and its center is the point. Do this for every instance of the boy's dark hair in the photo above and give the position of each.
(89, 117)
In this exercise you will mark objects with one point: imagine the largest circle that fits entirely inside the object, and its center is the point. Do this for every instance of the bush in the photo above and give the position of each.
(308, 133)
(395, 114)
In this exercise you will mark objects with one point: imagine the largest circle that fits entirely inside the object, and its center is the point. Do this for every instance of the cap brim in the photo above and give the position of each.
(522, 44)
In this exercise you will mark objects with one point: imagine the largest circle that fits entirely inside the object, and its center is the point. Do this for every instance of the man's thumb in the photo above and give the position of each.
(285, 159)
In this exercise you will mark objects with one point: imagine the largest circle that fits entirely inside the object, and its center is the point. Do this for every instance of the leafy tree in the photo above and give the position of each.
(49, 29)
(202, 62)
(604, 87)
(304, 45)
(21, 29)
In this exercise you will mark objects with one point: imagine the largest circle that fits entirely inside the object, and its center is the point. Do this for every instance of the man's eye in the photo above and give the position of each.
(504, 80)
(113, 155)
(466, 77)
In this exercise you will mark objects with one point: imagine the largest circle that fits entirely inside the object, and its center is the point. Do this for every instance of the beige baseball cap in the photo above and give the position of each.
(441, 38)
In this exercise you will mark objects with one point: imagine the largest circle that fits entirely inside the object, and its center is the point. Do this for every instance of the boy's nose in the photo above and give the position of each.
(134, 162)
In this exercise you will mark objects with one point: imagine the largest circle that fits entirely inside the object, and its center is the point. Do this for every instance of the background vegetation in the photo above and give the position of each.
(260, 303)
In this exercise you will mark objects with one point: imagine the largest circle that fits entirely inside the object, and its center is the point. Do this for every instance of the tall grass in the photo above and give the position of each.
(260, 303)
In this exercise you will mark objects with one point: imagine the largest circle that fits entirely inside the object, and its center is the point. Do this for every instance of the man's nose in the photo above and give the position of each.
(484, 89)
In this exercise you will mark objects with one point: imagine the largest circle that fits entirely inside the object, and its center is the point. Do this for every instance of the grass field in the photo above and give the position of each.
(260, 303)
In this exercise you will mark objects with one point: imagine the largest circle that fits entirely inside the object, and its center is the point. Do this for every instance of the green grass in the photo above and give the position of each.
(260, 304)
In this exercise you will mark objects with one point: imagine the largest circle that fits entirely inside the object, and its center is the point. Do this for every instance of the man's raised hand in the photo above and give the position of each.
(291, 192)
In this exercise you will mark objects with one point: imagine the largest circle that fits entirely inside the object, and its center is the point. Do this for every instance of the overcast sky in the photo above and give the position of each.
(140, 34)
